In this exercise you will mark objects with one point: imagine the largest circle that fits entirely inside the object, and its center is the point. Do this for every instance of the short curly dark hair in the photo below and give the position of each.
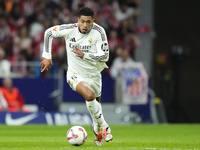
(86, 11)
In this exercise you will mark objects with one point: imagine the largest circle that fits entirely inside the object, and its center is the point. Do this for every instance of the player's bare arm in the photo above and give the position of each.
(78, 52)
(45, 64)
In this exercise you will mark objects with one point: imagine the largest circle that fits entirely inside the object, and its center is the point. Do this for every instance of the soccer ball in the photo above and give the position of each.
(76, 135)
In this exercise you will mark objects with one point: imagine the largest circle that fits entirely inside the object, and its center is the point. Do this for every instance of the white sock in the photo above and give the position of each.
(94, 108)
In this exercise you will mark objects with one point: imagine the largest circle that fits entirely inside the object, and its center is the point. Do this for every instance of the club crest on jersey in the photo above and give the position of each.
(90, 40)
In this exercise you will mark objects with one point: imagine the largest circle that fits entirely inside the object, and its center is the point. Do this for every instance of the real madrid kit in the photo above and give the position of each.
(93, 44)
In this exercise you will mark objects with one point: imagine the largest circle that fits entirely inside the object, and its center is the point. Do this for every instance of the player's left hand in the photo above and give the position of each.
(78, 52)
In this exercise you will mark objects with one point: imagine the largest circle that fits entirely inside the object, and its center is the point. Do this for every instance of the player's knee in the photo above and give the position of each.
(89, 96)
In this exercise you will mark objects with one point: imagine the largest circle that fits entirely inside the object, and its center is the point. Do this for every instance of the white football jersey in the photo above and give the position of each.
(94, 45)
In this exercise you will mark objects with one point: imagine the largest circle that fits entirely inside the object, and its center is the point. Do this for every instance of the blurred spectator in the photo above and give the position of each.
(12, 95)
(112, 56)
(3, 102)
(8, 5)
(103, 11)
(130, 39)
(125, 28)
(36, 32)
(113, 41)
(131, 42)
(124, 12)
(112, 21)
(4, 29)
(74, 11)
(39, 16)
(118, 17)
(5, 37)
(37, 27)
(64, 14)
(22, 42)
(5, 70)
(21, 68)
(61, 52)
(101, 20)
(27, 7)
(16, 19)
(120, 62)
(3, 9)
(135, 4)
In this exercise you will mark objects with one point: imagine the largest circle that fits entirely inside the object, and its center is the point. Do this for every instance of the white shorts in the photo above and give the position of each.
(94, 82)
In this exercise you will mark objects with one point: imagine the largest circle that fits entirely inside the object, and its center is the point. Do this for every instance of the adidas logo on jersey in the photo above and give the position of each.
(73, 40)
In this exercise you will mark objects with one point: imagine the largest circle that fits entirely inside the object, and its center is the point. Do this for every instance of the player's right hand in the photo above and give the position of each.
(45, 64)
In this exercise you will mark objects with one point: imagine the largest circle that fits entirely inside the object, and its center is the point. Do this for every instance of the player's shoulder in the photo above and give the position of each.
(98, 28)
(68, 26)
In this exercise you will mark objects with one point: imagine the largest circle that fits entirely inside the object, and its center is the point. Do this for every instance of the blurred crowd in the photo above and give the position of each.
(23, 22)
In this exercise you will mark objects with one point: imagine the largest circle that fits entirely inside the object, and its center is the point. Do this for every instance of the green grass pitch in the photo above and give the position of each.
(136, 137)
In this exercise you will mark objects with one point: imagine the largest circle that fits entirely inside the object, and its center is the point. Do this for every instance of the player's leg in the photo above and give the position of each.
(94, 108)
(80, 85)
(98, 136)
(106, 130)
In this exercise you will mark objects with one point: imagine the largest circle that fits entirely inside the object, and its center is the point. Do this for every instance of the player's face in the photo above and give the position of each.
(85, 23)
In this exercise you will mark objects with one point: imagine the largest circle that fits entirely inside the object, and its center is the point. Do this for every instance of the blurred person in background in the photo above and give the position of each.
(124, 11)
(38, 19)
(22, 52)
(3, 102)
(113, 41)
(21, 68)
(4, 28)
(87, 52)
(112, 21)
(22, 42)
(27, 8)
(37, 27)
(132, 42)
(16, 19)
(37, 16)
(122, 61)
(5, 34)
(3, 9)
(131, 79)
(62, 56)
(125, 28)
(5, 66)
(129, 38)
(64, 14)
(12, 95)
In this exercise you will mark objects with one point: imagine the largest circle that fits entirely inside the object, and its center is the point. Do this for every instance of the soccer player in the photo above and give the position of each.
(87, 52)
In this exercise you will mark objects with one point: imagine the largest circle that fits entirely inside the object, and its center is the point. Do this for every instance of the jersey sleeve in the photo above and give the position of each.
(102, 47)
(50, 33)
